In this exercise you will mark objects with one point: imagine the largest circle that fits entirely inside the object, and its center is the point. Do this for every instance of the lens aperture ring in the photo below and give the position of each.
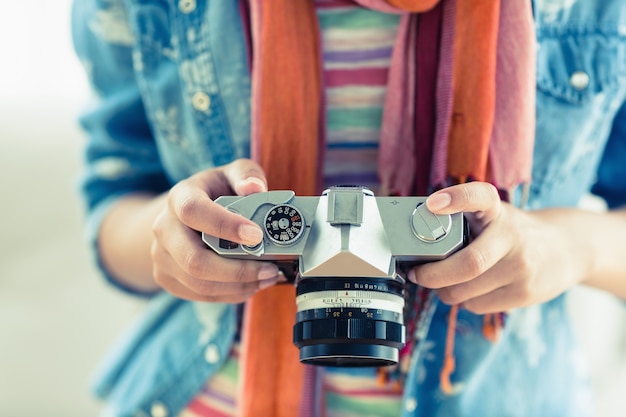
(317, 284)
(350, 299)
(349, 313)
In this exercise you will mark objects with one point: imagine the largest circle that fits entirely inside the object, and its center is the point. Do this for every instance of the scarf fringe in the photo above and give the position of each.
(449, 362)
(492, 327)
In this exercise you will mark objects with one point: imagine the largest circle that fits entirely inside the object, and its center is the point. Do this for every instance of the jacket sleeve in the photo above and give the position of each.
(121, 155)
(611, 175)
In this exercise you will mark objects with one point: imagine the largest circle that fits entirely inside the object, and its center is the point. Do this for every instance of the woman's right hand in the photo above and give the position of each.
(183, 265)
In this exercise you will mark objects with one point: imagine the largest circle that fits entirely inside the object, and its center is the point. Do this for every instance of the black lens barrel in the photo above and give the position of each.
(350, 336)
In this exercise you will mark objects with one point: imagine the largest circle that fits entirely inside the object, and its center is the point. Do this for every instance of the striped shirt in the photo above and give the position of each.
(354, 394)
(218, 396)
(356, 46)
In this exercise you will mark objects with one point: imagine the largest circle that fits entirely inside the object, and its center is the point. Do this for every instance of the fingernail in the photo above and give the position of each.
(411, 276)
(250, 234)
(268, 271)
(438, 201)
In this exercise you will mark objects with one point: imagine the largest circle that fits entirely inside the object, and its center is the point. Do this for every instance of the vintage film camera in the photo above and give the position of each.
(346, 250)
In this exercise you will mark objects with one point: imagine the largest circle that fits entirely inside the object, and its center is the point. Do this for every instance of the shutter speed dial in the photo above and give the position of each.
(429, 227)
(284, 224)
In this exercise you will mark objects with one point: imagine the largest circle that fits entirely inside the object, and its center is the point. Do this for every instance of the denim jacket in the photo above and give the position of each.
(173, 89)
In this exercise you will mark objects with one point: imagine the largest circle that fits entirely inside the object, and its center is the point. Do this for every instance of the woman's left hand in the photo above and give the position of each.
(516, 258)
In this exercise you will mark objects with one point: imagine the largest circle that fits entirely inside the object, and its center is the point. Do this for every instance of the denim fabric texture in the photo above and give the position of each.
(173, 97)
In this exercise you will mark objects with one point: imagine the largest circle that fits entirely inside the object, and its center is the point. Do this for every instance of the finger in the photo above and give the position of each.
(196, 260)
(245, 176)
(177, 289)
(502, 299)
(470, 262)
(472, 197)
(206, 265)
(518, 287)
(192, 201)
(168, 267)
(195, 209)
(497, 277)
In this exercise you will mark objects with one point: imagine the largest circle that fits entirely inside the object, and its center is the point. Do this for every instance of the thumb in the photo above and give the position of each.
(245, 177)
(476, 197)
(467, 197)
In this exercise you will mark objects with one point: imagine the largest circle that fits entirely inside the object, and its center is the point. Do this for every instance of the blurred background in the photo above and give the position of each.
(57, 317)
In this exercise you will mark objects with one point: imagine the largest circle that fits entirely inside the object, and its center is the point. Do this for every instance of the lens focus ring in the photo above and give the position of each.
(380, 332)
(349, 321)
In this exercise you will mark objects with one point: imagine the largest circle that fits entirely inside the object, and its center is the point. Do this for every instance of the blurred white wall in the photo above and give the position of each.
(56, 316)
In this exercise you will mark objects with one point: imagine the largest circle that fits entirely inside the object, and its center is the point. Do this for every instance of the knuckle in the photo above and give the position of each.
(524, 292)
(186, 208)
(220, 225)
(475, 261)
(452, 295)
(525, 265)
(522, 273)
(202, 287)
(194, 263)
(444, 296)
(158, 229)
(424, 278)
(491, 191)
(456, 295)
(242, 272)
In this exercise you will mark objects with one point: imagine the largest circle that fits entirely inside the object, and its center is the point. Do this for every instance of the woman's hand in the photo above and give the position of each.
(182, 263)
(516, 258)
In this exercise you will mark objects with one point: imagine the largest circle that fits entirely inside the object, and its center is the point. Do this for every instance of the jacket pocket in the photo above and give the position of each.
(577, 64)
(581, 74)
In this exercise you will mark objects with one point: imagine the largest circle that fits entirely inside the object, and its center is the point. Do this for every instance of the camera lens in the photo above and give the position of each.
(349, 321)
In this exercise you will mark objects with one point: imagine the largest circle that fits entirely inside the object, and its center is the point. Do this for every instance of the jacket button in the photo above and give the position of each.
(211, 354)
(201, 101)
(158, 409)
(579, 80)
(187, 6)
(410, 405)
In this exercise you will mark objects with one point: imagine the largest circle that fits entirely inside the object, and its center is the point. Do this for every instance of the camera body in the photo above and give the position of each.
(347, 250)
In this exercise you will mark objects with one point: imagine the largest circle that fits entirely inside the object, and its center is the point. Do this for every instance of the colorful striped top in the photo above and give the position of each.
(357, 393)
(357, 45)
